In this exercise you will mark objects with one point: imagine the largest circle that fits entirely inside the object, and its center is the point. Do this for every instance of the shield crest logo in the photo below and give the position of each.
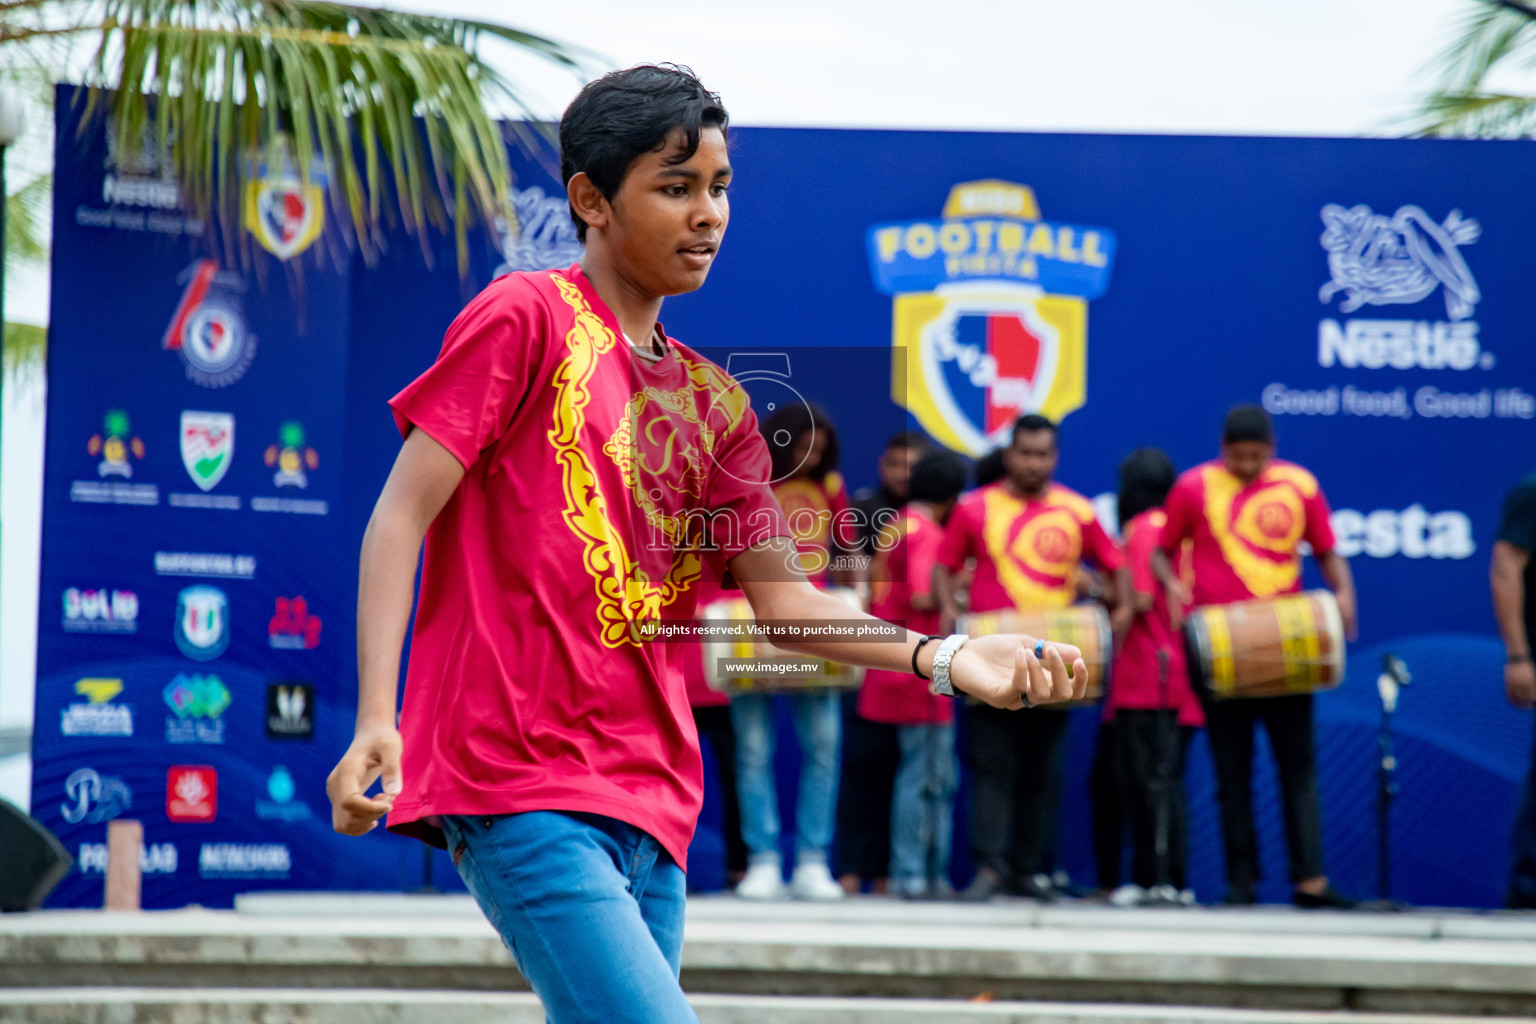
(284, 214)
(971, 358)
(207, 446)
(202, 622)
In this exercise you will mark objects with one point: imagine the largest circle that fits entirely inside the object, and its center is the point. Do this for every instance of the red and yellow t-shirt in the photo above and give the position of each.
(1027, 550)
(588, 472)
(820, 521)
(902, 569)
(1149, 670)
(1246, 537)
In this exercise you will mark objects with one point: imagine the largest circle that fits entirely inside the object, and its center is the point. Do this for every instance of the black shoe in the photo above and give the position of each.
(982, 888)
(1036, 887)
(1240, 895)
(1329, 898)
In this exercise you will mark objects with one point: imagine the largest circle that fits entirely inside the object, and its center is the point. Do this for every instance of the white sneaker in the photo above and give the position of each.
(812, 881)
(763, 881)
(1128, 895)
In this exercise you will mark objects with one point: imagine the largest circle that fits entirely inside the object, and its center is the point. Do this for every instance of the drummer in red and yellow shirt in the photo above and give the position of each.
(1247, 514)
(1028, 536)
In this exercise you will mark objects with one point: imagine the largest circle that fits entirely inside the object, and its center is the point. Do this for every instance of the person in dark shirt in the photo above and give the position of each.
(878, 506)
(1512, 575)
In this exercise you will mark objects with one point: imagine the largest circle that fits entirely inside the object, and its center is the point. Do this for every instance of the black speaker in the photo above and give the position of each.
(32, 861)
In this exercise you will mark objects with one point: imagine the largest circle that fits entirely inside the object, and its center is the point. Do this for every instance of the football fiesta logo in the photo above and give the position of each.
(284, 210)
(990, 311)
(208, 328)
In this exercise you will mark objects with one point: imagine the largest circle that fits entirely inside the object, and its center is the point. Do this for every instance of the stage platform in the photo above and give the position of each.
(405, 959)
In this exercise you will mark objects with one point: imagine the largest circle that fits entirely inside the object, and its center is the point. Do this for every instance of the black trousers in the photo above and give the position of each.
(1152, 759)
(715, 725)
(871, 755)
(1108, 789)
(1288, 720)
(1016, 760)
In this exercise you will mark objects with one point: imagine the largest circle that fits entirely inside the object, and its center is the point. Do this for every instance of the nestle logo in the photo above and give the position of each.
(292, 628)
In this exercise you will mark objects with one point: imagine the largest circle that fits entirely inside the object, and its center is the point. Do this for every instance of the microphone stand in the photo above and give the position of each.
(1394, 676)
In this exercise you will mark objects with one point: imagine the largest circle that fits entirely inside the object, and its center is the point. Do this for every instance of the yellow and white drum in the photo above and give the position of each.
(1268, 647)
(814, 674)
(1085, 626)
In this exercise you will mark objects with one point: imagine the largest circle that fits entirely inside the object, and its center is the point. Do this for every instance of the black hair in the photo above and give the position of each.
(795, 420)
(1146, 477)
(938, 477)
(1247, 423)
(914, 440)
(626, 114)
(990, 468)
(1031, 422)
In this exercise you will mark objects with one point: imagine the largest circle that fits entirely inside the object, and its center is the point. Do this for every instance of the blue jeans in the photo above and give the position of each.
(923, 806)
(589, 907)
(818, 724)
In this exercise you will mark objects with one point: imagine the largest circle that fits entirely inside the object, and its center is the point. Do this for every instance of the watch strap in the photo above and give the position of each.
(942, 658)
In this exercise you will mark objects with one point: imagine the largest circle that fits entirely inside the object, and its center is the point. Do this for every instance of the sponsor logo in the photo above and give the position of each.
(291, 457)
(990, 311)
(1412, 533)
(98, 716)
(116, 445)
(92, 798)
(196, 703)
(1376, 260)
(284, 210)
(205, 563)
(541, 236)
(244, 860)
(154, 859)
(208, 328)
(100, 611)
(281, 806)
(202, 622)
(291, 627)
(207, 446)
(191, 793)
(290, 711)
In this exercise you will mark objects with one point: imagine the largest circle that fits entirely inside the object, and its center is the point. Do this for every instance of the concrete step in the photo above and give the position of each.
(384, 1006)
(865, 949)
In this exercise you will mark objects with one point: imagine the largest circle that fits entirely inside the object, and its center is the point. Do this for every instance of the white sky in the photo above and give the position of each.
(1279, 67)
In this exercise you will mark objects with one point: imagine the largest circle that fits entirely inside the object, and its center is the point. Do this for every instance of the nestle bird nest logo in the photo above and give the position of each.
(989, 312)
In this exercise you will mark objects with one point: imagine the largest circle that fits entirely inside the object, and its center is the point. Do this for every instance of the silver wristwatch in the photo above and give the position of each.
(940, 685)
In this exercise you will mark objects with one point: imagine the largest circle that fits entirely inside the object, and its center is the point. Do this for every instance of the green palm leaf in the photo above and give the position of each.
(397, 107)
(1492, 35)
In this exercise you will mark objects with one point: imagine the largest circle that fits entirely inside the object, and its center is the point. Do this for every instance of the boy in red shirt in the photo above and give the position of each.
(1246, 514)
(570, 466)
(901, 590)
(1028, 536)
(1150, 700)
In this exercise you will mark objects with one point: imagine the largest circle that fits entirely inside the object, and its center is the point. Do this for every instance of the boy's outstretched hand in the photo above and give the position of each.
(1002, 670)
(374, 754)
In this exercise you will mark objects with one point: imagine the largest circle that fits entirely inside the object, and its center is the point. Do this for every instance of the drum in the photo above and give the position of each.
(1085, 626)
(825, 675)
(1266, 648)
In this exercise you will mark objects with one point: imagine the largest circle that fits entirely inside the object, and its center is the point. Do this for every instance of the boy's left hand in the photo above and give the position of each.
(1002, 671)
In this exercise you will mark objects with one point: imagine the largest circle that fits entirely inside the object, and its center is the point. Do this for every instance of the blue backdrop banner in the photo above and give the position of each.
(217, 437)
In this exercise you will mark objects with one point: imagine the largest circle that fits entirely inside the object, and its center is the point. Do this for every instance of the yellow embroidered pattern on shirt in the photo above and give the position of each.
(625, 598)
(1259, 542)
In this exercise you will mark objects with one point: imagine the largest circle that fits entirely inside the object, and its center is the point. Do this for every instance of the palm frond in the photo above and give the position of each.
(1492, 35)
(26, 211)
(393, 106)
(24, 347)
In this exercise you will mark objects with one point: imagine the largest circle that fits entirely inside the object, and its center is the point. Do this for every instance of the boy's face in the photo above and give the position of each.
(1247, 460)
(666, 221)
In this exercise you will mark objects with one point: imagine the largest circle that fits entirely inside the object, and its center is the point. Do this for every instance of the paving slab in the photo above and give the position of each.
(267, 1006)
